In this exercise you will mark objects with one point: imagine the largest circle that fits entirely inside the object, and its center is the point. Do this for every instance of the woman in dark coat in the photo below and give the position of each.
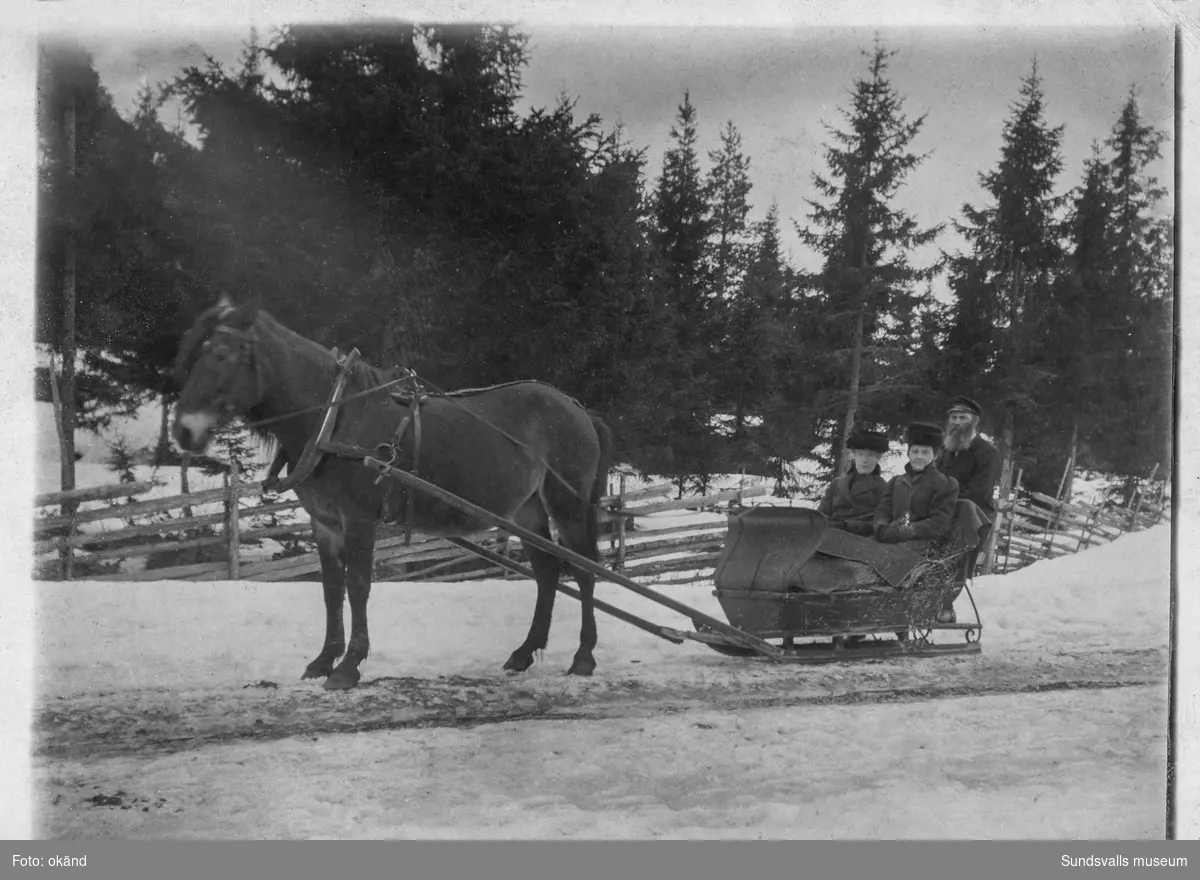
(851, 499)
(918, 505)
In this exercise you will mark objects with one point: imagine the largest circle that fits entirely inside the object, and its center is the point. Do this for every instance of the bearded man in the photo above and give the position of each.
(972, 461)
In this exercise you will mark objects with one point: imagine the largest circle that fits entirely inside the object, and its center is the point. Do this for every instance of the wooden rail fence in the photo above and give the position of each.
(218, 534)
(1038, 526)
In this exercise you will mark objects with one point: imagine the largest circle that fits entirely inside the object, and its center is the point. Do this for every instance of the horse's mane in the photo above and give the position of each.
(371, 375)
(189, 346)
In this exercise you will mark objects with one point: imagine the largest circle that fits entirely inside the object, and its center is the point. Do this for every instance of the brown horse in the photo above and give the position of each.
(524, 451)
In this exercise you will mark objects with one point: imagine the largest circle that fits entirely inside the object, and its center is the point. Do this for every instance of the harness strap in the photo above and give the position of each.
(549, 468)
(413, 417)
(312, 450)
(276, 469)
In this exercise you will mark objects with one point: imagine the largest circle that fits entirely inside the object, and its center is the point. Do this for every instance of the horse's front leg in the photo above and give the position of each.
(332, 551)
(360, 557)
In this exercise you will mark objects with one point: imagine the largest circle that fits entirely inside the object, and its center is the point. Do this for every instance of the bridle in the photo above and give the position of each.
(248, 339)
(243, 355)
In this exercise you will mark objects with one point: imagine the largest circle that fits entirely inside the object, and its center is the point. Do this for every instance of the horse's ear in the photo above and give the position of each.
(225, 305)
(240, 315)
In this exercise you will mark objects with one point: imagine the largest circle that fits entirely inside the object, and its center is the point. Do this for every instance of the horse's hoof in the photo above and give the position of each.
(517, 663)
(319, 668)
(582, 667)
(341, 680)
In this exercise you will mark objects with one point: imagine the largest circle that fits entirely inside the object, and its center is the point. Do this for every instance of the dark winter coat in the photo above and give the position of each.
(927, 496)
(977, 470)
(851, 500)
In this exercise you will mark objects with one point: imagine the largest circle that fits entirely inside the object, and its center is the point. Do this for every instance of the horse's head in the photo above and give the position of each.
(218, 373)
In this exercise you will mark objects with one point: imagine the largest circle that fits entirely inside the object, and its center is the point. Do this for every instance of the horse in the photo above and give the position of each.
(523, 450)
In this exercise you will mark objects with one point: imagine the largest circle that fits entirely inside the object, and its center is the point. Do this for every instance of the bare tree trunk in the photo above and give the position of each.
(1008, 432)
(232, 525)
(66, 435)
(856, 355)
(183, 483)
(1068, 483)
(164, 434)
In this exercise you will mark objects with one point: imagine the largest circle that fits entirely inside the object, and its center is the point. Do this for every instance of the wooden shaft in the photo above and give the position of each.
(742, 638)
(517, 568)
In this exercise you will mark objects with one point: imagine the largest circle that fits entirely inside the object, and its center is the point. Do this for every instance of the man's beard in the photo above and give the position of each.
(959, 436)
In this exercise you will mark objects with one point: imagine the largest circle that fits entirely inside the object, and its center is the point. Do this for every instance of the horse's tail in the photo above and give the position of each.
(605, 435)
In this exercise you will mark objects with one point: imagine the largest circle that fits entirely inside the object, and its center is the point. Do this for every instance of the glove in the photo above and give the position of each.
(894, 534)
(859, 527)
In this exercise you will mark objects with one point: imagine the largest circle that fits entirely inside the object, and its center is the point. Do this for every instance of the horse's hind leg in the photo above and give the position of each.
(575, 536)
(546, 568)
(331, 550)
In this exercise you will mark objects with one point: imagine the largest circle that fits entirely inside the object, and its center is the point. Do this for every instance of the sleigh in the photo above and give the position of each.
(827, 594)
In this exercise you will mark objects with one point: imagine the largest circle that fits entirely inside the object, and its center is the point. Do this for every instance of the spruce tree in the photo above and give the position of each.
(131, 300)
(689, 450)
(1015, 253)
(1076, 337)
(726, 190)
(751, 337)
(865, 242)
(761, 347)
(1142, 279)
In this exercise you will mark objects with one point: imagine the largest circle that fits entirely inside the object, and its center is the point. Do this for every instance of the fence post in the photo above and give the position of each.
(232, 531)
(620, 561)
(1060, 501)
(1140, 496)
(69, 561)
(67, 557)
(1085, 534)
(1012, 518)
(993, 541)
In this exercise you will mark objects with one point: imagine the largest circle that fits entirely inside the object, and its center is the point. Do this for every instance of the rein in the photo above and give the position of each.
(320, 442)
(321, 407)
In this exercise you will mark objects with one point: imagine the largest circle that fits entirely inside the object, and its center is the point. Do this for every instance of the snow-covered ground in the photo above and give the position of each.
(175, 710)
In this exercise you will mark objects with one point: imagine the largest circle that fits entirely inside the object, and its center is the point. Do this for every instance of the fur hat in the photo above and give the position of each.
(923, 434)
(965, 404)
(875, 441)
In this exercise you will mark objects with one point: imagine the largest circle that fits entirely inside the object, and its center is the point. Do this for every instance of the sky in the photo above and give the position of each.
(782, 86)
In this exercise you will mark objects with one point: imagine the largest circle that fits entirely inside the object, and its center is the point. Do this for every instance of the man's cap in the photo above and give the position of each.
(965, 404)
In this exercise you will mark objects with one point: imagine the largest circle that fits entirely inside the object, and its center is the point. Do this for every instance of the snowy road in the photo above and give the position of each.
(175, 710)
